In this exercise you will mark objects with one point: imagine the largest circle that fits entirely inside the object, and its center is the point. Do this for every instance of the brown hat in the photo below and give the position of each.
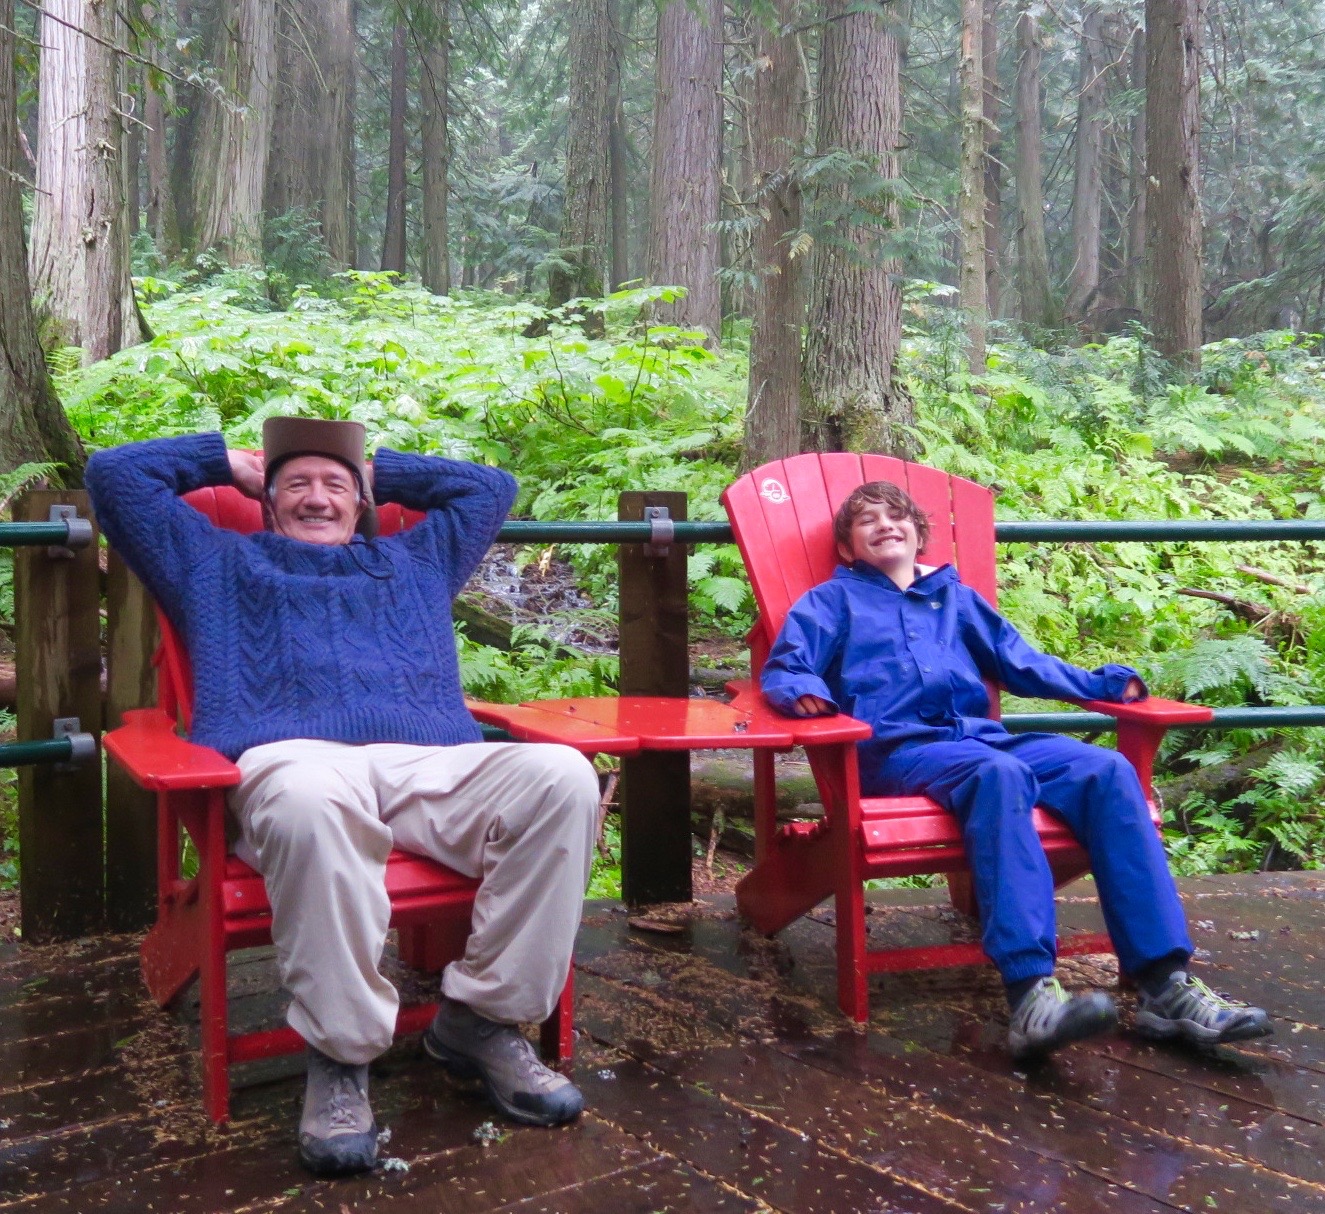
(283, 438)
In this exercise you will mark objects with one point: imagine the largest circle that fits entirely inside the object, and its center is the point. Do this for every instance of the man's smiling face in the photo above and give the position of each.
(316, 500)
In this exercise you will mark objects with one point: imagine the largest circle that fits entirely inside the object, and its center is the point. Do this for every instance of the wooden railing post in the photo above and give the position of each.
(57, 619)
(131, 640)
(655, 660)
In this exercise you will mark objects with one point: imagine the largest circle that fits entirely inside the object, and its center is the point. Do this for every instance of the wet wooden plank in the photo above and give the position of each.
(941, 1151)
(659, 1187)
(525, 1164)
(787, 1169)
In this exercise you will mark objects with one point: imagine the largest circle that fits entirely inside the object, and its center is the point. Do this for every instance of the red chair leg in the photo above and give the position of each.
(556, 1035)
(213, 1012)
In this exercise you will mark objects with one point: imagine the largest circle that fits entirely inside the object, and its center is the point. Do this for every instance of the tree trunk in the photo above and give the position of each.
(1036, 300)
(1173, 205)
(80, 237)
(1086, 195)
(188, 105)
(1136, 216)
(161, 219)
(684, 245)
(315, 76)
(133, 149)
(971, 199)
(993, 162)
(33, 426)
(617, 157)
(777, 122)
(393, 239)
(230, 164)
(851, 401)
(435, 59)
(584, 231)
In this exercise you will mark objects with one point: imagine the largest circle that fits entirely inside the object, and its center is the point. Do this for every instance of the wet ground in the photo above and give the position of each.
(718, 1077)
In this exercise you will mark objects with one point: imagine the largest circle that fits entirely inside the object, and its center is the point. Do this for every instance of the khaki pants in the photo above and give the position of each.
(318, 820)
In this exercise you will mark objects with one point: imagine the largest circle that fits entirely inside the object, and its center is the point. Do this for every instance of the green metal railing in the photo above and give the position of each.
(1007, 532)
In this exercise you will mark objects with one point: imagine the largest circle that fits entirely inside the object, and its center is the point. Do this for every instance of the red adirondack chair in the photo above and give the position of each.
(782, 517)
(224, 907)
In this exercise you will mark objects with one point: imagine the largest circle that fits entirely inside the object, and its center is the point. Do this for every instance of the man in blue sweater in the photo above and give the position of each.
(907, 648)
(325, 666)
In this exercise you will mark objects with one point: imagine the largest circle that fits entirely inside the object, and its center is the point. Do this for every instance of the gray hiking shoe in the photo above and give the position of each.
(337, 1133)
(472, 1047)
(1048, 1017)
(1189, 1009)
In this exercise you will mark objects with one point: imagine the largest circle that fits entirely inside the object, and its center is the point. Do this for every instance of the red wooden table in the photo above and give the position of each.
(625, 725)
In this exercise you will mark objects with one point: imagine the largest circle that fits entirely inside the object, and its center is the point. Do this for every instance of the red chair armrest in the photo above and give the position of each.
(1153, 711)
(1142, 726)
(805, 731)
(156, 757)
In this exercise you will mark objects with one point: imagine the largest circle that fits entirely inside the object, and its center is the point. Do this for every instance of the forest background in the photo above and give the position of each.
(1075, 251)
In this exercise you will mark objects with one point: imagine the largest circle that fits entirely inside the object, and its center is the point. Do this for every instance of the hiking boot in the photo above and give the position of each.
(471, 1046)
(337, 1133)
(1189, 1009)
(1048, 1017)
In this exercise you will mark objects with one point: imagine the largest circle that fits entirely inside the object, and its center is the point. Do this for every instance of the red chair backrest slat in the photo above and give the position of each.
(782, 515)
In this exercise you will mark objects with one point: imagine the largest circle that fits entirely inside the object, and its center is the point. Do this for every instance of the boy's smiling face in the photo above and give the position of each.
(885, 538)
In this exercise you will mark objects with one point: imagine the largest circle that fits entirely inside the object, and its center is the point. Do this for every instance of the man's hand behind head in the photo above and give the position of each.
(247, 469)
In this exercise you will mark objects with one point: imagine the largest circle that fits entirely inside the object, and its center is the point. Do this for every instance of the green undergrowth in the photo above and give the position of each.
(1106, 432)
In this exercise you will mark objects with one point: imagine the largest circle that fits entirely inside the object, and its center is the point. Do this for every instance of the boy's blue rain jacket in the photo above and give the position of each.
(912, 663)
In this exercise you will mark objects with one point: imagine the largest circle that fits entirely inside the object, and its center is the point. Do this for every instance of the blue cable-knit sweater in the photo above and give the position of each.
(345, 642)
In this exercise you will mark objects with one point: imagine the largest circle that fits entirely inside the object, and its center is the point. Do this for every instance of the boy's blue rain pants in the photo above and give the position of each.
(990, 786)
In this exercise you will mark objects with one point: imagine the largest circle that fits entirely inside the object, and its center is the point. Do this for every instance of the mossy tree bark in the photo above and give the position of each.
(313, 119)
(234, 133)
(79, 260)
(1173, 203)
(33, 426)
(584, 228)
(684, 247)
(851, 401)
(777, 130)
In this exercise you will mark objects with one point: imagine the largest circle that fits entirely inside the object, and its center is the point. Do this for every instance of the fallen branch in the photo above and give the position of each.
(1252, 612)
(1264, 575)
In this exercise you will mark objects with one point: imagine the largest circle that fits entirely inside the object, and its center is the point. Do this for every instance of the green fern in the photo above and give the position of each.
(1220, 665)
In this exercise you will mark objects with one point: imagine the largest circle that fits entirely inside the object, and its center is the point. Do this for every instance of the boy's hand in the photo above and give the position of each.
(813, 706)
(1134, 690)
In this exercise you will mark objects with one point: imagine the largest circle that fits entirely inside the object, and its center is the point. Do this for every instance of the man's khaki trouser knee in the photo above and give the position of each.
(318, 820)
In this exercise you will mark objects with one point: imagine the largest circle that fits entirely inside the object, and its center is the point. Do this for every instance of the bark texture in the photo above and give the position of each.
(851, 401)
(584, 227)
(234, 133)
(434, 29)
(777, 131)
(312, 123)
(1173, 205)
(33, 426)
(993, 162)
(1134, 291)
(971, 196)
(393, 239)
(80, 235)
(1086, 193)
(1036, 298)
(684, 246)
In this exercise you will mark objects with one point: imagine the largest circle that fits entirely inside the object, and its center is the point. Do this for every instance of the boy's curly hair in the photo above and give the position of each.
(878, 493)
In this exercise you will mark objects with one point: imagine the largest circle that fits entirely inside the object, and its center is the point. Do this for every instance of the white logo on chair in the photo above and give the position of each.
(774, 490)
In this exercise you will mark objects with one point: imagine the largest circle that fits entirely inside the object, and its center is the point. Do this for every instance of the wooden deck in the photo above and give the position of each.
(718, 1077)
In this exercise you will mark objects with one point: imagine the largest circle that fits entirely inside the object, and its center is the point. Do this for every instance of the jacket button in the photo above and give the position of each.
(913, 635)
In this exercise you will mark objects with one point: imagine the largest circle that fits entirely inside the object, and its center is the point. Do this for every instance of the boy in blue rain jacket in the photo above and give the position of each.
(906, 648)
